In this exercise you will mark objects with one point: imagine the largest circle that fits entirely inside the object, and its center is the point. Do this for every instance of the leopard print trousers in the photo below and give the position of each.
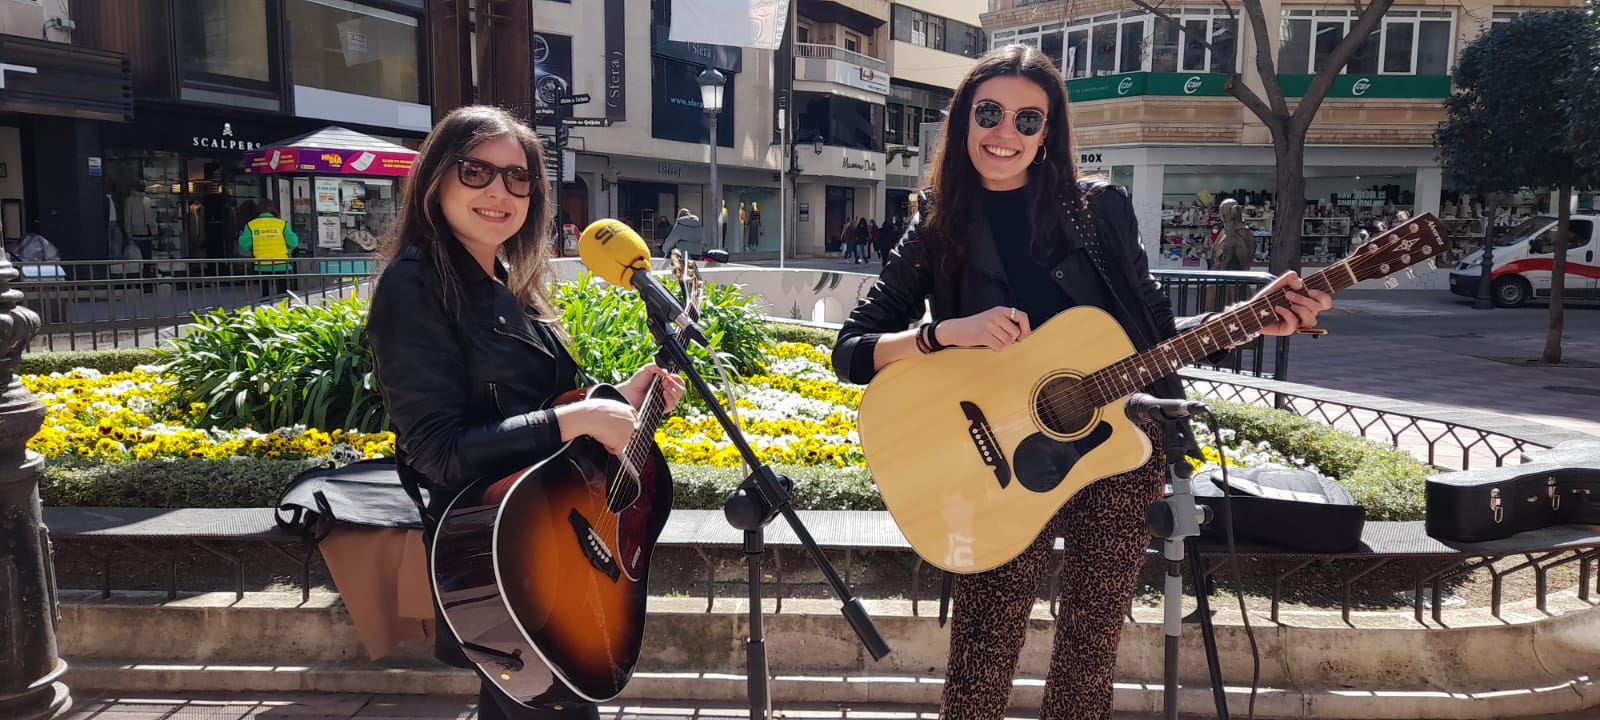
(1106, 537)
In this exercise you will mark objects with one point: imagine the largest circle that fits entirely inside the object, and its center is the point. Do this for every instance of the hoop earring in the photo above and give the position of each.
(1043, 153)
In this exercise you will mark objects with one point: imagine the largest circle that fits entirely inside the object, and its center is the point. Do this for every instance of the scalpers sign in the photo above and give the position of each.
(225, 141)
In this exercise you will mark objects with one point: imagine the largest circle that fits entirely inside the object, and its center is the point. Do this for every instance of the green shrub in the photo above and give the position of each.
(106, 361)
(610, 339)
(169, 483)
(1387, 481)
(280, 365)
(791, 332)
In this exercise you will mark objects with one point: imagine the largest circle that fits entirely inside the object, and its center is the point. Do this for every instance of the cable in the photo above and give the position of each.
(1233, 561)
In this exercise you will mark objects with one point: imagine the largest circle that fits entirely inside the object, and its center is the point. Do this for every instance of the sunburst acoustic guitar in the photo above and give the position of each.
(973, 471)
(543, 574)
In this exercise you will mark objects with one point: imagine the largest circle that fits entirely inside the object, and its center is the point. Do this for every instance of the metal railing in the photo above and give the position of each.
(1195, 292)
(96, 305)
(830, 52)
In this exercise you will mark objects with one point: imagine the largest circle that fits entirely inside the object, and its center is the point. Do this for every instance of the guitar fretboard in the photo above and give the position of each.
(638, 450)
(1243, 323)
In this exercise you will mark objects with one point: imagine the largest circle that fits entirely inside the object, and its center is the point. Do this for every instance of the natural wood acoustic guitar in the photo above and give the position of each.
(974, 450)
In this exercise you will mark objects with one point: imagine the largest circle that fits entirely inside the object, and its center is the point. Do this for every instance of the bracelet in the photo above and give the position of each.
(933, 336)
(923, 346)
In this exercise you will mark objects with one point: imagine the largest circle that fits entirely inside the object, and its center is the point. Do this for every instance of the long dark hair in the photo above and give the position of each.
(421, 222)
(955, 197)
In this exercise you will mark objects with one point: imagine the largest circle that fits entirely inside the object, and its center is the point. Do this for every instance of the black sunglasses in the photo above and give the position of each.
(988, 114)
(477, 174)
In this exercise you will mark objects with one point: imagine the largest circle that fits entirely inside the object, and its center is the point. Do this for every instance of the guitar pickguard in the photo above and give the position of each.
(1042, 463)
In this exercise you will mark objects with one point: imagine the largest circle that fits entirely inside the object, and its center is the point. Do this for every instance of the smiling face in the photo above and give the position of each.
(484, 218)
(1000, 154)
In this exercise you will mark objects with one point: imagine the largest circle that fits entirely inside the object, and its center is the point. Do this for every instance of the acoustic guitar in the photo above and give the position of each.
(543, 574)
(974, 450)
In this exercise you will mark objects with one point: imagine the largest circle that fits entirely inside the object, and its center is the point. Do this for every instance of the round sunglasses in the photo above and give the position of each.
(477, 174)
(988, 114)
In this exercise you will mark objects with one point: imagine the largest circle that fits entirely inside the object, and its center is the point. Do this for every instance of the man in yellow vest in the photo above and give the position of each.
(269, 239)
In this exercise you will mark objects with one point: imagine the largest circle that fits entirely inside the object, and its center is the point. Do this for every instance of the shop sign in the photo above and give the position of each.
(860, 77)
(340, 162)
(1135, 84)
(616, 55)
(223, 140)
(864, 165)
(96, 167)
(1425, 87)
(669, 169)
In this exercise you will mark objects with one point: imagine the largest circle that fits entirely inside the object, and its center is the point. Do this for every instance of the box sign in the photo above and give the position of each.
(328, 161)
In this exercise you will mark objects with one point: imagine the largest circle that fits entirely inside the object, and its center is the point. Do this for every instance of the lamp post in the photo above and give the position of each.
(711, 84)
(30, 670)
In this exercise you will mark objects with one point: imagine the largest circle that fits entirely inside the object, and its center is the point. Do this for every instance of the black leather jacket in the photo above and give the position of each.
(467, 384)
(1126, 291)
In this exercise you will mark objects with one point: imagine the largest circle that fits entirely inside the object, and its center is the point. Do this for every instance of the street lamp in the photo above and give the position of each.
(711, 84)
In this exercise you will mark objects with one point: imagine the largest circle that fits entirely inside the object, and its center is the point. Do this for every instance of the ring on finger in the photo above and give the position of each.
(1013, 316)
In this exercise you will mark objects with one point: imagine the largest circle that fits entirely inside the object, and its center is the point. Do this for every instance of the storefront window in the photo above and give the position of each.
(678, 113)
(1409, 42)
(349, 214)
(750, 219)
(224, 40)
(347, 47)
(839, 120)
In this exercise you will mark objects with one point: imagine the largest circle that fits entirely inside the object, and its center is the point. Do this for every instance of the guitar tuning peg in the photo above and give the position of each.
(1411, 274)
(1391, 284)
(1432, 265)
(1402, 216)
(1382, 226)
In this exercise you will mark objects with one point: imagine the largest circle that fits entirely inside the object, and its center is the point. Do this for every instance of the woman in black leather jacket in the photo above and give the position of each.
(1007, 237)
(467, 344)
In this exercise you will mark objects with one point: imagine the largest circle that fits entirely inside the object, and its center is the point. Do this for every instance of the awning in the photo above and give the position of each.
(332, 150)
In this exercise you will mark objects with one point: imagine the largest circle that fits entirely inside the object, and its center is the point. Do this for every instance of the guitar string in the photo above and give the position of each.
(1104, 384)
(634, 455)
(1097, 388)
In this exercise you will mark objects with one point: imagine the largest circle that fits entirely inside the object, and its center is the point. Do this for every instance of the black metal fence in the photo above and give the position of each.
(96, 305)
(1195, 292)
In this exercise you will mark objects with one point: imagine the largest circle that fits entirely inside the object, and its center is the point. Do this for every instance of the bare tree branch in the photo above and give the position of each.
(1322, 82)
(1234, 85)
(1266, 65)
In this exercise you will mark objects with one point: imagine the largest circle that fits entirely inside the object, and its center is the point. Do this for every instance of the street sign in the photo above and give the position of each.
(586, 122)
(578, 99)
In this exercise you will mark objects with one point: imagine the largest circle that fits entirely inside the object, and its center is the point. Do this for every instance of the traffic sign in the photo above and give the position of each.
(586, 122)
(577, 99)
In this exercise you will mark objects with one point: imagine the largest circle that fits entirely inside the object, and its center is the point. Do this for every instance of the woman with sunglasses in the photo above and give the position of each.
(1008, 236)
(467, 344)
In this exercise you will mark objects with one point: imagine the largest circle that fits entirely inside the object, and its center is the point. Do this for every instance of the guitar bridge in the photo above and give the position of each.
(594, 548)
(988, 447)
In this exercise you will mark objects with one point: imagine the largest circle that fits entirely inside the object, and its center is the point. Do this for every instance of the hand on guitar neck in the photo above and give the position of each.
(1303, 305)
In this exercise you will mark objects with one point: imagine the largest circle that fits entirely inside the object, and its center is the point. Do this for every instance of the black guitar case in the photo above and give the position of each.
(1557, 486)
(1291, 509)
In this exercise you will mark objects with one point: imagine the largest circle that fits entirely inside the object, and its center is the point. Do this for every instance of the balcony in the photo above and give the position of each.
(829, 52)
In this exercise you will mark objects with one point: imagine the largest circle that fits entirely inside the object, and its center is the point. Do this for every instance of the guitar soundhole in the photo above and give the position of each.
(1061, 409)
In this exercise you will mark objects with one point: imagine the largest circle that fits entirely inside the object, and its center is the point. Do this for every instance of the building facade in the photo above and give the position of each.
(166, 96)
(1150, 111)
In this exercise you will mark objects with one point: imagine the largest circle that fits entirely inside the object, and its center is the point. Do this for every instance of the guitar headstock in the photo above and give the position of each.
(1413, 241)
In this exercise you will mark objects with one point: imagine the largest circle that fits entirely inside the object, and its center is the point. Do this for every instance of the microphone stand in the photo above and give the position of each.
(758, 500)
(1176, 519)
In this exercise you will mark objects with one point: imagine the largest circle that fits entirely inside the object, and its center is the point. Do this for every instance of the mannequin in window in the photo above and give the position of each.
(722, 223)
(752, 229)
(139, 221)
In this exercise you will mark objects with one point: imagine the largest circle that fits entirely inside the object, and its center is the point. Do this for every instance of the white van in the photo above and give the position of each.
(1522, 262)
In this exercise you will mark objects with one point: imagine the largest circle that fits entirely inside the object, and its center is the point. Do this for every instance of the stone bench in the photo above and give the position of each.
(852, 530)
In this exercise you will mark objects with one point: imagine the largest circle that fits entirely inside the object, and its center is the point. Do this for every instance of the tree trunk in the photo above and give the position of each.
(1558, 277)
(1289, 202)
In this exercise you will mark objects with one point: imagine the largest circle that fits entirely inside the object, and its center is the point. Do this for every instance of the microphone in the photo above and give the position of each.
(618, 255)
(1144, 407)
